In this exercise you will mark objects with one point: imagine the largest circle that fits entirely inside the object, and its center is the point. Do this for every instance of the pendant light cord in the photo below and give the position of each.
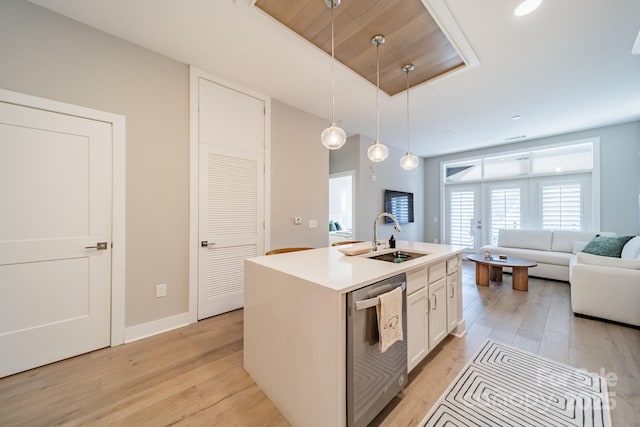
(333, 83)
(377, 93)
(408, 134)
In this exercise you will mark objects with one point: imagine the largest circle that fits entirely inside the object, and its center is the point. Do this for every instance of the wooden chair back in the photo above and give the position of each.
(285, 250)
(346, 242)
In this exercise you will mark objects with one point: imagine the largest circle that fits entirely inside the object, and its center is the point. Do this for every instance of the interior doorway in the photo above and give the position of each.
(341, 207)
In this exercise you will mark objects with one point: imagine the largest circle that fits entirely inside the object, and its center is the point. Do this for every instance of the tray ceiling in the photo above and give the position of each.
(412, 36)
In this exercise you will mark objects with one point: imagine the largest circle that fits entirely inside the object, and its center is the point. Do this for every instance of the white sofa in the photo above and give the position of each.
(552, 250)
(607, 287)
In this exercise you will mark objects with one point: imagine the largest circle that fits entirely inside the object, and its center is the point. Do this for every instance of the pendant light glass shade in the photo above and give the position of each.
(378, 151)
(408, 161)
(333, 137)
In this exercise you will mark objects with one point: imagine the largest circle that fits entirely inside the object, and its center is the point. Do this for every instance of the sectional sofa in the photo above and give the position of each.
(601, 286)
(552, 250)
(607, 287)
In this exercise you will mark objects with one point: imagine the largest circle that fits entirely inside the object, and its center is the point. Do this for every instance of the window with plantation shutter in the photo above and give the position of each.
(461, 211)
(553, 187)
(562, 206)
(505, 210)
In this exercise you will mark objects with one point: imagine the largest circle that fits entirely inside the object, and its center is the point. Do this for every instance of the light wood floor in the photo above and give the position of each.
(193, 376)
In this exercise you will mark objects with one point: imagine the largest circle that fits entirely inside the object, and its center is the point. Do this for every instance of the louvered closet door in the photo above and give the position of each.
(231, 212)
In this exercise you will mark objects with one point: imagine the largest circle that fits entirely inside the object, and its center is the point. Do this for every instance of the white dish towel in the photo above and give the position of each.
(389, 310)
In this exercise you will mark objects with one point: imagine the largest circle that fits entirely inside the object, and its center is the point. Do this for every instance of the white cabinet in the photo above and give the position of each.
(452, 301)
(437, 312)
(417, 327)
(433, 307)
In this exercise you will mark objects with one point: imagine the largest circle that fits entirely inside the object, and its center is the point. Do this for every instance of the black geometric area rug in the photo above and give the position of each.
(504, 386)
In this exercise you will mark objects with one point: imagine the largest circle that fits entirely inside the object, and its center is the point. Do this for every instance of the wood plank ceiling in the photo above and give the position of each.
(412, 36)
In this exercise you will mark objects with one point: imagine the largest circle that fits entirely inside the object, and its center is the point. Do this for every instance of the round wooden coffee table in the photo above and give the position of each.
(491, 269)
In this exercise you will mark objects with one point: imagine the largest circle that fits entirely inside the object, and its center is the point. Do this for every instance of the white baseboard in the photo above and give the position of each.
(460, 330)
(156, 327)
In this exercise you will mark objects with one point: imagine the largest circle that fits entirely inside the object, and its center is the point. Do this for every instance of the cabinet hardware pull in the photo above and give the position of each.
(372, 302)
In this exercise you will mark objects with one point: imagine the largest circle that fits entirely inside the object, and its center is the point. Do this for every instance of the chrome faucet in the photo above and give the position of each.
(396, 225)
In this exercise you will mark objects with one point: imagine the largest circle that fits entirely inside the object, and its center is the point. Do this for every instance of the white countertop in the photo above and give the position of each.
(332, 269)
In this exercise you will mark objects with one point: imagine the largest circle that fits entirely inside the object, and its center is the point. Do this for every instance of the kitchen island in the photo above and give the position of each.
(295, 320)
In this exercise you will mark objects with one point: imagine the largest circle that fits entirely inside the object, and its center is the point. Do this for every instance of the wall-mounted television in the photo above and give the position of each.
(400, 204)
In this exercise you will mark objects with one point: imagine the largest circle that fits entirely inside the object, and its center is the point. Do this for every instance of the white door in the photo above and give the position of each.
(231, 193)
(55, 210)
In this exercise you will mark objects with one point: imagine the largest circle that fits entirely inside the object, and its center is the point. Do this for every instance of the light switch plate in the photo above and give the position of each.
(161, 290)
(313, 223)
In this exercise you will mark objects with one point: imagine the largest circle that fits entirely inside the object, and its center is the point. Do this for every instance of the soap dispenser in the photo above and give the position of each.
(392, 242)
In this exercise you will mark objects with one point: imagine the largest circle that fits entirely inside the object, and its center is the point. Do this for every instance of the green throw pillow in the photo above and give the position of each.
(607, 246)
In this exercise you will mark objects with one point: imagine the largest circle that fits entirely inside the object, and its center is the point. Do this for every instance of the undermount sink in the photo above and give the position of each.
(397, 256)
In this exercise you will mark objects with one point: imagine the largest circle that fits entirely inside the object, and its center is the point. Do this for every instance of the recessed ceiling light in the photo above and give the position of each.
(636, 46)
(526, 7)
(516, 117)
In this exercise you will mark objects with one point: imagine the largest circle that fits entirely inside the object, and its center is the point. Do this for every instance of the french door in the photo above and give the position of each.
(475, 212)
(463, 219)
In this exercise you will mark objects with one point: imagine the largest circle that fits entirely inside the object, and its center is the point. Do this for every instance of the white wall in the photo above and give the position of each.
(299, 178)
(48, 55)
(370, 195)
(619, 176)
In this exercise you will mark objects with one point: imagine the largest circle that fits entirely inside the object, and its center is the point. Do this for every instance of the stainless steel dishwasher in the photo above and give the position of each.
(373, 378)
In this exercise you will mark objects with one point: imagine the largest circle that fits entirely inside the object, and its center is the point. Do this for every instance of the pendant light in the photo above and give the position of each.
(408, 161)
(377, 152)
(333, 137)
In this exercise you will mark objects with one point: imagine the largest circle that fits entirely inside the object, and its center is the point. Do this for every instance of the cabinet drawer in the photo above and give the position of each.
(452, 265)
(436, 272)
(416, 280)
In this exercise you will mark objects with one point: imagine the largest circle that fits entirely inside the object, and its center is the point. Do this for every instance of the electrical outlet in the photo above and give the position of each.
(161, 290)
(313, 223)
(297, 220)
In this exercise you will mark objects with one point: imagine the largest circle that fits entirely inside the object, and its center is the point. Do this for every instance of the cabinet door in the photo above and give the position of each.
(417, 327)
(452, 301)
(437, 312)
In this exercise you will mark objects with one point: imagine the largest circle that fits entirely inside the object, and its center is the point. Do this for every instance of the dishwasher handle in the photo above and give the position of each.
(372, 302)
